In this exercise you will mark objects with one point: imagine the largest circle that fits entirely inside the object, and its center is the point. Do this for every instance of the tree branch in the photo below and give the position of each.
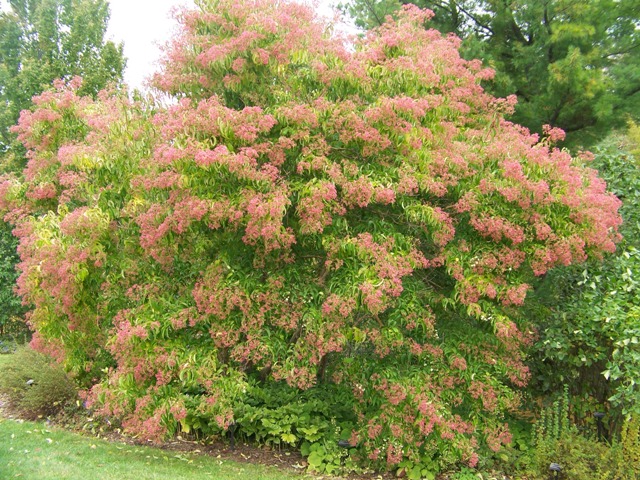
(556, 112)
(622, 52)
(547, 25)
(632, 92)
(372, 9)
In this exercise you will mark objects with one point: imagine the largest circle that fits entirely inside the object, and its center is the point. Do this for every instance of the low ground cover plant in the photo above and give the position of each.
(581, 454)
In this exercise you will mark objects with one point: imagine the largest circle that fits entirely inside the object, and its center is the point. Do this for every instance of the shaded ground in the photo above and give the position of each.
(290, 461)
(4, 408)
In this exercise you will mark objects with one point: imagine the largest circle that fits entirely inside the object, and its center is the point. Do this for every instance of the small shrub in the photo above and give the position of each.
(558, 440)
(35, 385)
(625, 453)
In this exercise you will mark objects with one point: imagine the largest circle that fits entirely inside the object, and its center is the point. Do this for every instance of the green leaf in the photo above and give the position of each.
(186, 428)
(415, 473)
(305, 449)
(315, 460)
(428, 475)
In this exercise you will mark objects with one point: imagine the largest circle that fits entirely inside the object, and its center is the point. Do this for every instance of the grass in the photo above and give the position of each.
(35, 451)
(4, 360)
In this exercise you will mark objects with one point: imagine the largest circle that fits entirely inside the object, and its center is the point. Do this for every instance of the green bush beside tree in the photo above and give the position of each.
(35, 385)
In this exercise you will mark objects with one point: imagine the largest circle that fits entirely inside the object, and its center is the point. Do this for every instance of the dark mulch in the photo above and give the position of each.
(289, 460)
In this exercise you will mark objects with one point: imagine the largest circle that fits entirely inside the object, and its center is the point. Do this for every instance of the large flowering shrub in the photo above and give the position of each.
(308, 215)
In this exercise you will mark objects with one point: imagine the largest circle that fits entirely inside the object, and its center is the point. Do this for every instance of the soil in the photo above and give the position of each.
(4, 408)
(284, 459)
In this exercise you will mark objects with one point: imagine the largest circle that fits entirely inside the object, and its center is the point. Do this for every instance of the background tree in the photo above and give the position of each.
(11, 309)
(574, 65)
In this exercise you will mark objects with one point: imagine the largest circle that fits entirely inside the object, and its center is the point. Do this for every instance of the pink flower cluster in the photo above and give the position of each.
(315, 211)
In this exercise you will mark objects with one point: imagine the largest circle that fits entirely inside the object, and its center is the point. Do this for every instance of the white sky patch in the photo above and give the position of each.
(145, 25)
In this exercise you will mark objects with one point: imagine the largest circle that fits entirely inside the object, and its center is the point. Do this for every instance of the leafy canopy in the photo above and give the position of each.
(43, 40)
(309, 214)
(573, 65)
(40, 41)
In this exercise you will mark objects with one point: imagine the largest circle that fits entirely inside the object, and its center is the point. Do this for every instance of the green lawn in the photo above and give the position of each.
(34, 451)
(4, 359)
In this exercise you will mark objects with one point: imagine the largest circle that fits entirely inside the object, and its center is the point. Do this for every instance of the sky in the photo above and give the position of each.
(144, 25)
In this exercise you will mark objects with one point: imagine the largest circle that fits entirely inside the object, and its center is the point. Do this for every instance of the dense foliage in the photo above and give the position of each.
(358, 222)
(34, 385)
(11, 309)
(43, 40)
(40, 41)
(574, 65)
(582, 455)
(591, 335)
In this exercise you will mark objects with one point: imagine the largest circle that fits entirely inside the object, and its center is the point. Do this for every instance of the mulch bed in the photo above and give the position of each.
(5, 411)
(289, 460)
